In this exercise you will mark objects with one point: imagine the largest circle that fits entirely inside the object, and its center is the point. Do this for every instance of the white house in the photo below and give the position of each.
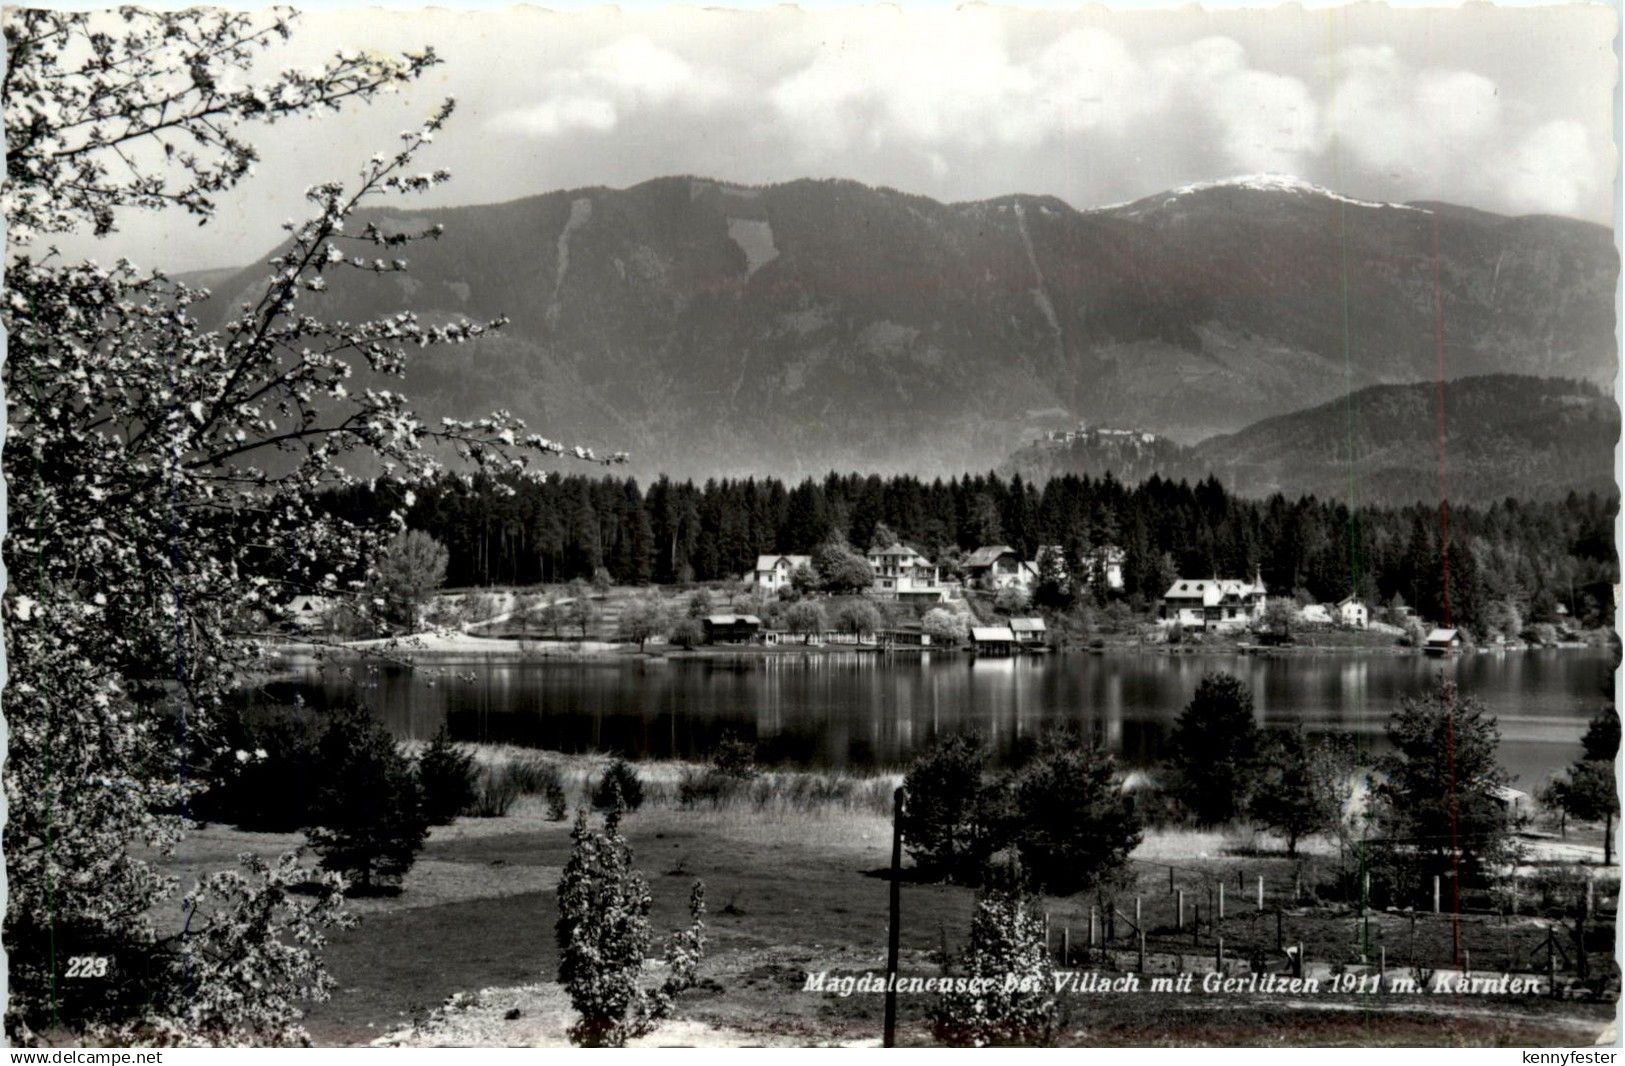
(1352, 613)
(999, 566)
(901, 573)
(1213, 603)
(773, 571)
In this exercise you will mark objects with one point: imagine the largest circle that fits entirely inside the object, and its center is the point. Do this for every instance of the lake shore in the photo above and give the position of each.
(450, 648)
(465, 954)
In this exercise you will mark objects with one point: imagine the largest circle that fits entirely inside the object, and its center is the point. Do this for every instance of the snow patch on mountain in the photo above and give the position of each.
(1263, 183)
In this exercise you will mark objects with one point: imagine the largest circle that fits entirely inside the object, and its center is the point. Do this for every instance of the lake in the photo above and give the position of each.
(858, 710)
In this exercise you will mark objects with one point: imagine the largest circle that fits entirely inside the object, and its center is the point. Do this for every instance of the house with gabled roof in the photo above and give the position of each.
(1029, 631)
(993, 640)
(1217, 604)
(999, 566)
(773, 572)
(901, 573)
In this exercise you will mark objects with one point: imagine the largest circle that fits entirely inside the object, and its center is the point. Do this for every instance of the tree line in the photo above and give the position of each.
(1467, 564)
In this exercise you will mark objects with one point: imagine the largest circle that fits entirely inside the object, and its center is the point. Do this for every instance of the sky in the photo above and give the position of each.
(1505, 109)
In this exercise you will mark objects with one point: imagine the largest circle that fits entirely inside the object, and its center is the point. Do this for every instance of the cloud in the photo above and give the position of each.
(1445, 133)
(637, 68)
(1260, 121)
(959, 84)
(1412, 123)
(630, 75)
(1550, 168)
(556, 116)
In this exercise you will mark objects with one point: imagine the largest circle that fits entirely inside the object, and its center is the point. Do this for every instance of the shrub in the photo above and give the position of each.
(858, 617)
(269, 774)
(1073, 826)
(734, 757)
(686, 633)
(619, 788)
(447, 777)
(495, 796)
(805, 618)
(533, 774)
(944, 820)
(1010, 600)
(944, 626)
(368, 814)
(1015, 1001)
(603, 935)
(709, 786)
(641, 619)
(557, 806)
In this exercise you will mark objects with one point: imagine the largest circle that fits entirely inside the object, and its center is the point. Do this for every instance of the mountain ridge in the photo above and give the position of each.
(714, 327)
(1475, 440)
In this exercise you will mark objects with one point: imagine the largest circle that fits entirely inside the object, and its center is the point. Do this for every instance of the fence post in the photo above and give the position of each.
(1066, 945)
(1261, 893)
(1297, 961)
(889, 1036)
(1196, 923)
(1092, 940)
(1551, 960)
(1466, 963)
(1382, 965)
(1241, 882)
(1435, 893)
(1221, 902)
(1142, 951)
(1218, 955)
(1179, 906)
(1137, 922)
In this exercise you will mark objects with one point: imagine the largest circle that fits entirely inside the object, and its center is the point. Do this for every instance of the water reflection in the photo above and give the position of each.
(859, 709)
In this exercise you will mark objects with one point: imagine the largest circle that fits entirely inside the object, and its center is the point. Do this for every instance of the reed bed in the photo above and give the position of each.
(675, 784)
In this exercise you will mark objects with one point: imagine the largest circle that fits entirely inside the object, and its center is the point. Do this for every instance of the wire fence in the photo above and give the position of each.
(1274, 919)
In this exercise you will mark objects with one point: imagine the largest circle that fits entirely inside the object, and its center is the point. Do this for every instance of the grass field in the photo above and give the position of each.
(795, 873)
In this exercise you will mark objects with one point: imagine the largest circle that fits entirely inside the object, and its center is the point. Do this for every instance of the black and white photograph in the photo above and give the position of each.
(837, 526)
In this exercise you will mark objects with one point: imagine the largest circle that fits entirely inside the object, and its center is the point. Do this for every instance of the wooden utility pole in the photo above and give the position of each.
(889, 1039)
